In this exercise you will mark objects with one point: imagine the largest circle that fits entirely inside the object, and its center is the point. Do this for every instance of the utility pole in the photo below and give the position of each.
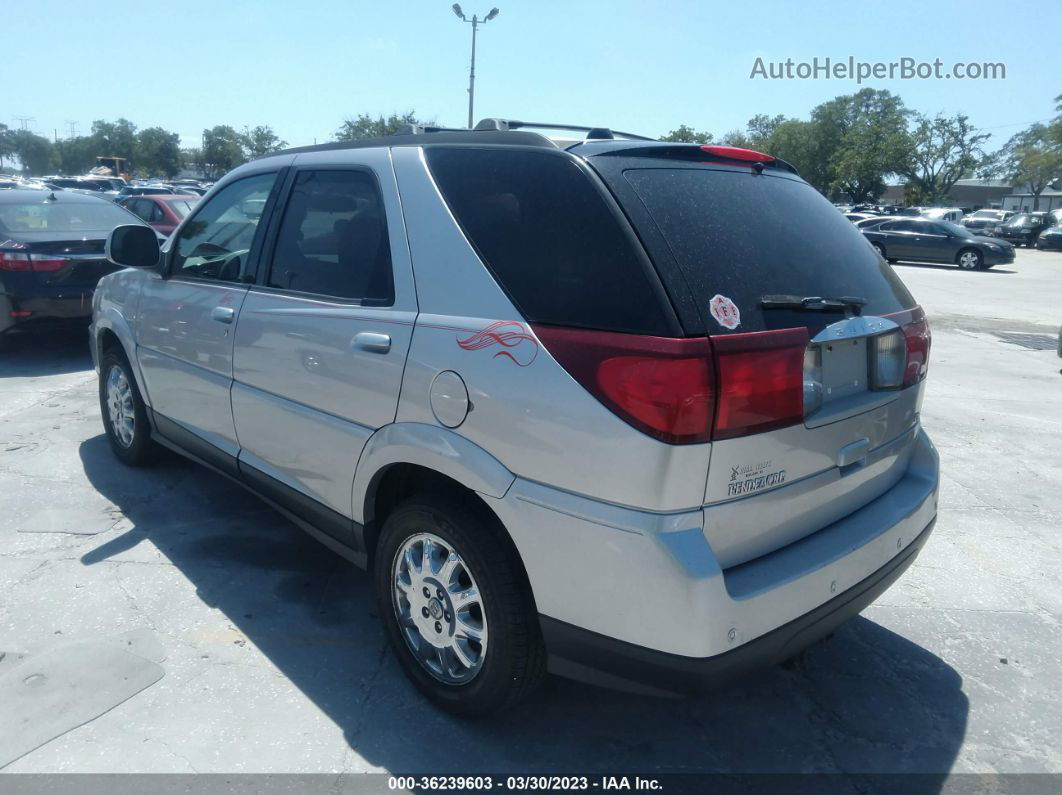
(72, 126)
(24, 121)
(475, 22)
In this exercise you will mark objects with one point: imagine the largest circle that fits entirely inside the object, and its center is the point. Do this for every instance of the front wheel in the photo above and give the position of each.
(124, 414)
(970, 259)
(880, 249)
(456, 607)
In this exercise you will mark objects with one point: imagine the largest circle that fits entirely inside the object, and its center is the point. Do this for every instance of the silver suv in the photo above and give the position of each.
(639, 413)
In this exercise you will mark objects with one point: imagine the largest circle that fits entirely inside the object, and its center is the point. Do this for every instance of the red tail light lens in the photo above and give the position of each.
(761, 381)
(661, 386)
(736, 153)
(918, 339)
(11, 261)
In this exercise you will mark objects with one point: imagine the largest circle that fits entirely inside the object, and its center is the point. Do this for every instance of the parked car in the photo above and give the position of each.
(923, 240)
(79, 183)
(145, 190)
(1050, 239)
(855, 218)
(951, 214)
(52, 254)
(986, 221)
(162, 212)
(1024, 228)
(611, 406)
(873, 220)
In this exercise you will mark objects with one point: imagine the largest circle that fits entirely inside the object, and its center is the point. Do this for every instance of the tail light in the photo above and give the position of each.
(761, 381)
(39, 263)
(660, 385)
(917, 341)
(888, 360)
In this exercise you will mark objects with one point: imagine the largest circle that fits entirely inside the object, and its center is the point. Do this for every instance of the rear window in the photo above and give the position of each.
(742, 236)
(550, 239)
(181, 207)
(90, 215)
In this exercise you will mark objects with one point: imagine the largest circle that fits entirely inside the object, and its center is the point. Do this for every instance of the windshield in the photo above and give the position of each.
(986, 214)
(181, 207)
(1020, 220)
(90, 215)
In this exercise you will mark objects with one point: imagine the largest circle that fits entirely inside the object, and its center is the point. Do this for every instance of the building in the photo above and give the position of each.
(1050, 199)
(973, 193)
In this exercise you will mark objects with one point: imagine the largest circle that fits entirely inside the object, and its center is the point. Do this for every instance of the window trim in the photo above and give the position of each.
(269, 244)
(254, 253)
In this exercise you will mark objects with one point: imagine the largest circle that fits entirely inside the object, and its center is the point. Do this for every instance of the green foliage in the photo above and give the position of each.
(35, 152)
(223, 150)
(687, 135)
(261, 141)
(114, 139)
(1032, 159)
(6, 146)
(365, 126)
(77, 155)
(939, 151)
(157, 152)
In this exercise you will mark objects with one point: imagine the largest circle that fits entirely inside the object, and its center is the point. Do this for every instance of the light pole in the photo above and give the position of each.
(476, 22)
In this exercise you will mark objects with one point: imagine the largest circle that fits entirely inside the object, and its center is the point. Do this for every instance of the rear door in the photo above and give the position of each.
(323, 334)
(931, 242)
(187, 317)
(802, 436)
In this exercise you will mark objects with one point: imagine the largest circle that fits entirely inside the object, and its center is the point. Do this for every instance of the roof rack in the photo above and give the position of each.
(592, 133)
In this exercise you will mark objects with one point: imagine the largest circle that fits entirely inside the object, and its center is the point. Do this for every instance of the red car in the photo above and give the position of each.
(163, 212)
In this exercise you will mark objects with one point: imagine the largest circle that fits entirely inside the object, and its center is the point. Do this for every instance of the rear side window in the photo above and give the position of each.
(547, 235)
(333, 239)
(743, 236)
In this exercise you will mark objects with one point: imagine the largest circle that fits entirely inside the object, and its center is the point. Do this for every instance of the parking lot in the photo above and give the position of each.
(275, 661)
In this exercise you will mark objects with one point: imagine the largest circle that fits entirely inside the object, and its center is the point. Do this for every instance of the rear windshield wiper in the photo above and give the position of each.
(814, 303)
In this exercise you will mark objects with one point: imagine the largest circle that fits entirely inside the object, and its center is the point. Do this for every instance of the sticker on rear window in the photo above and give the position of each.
(725, 312)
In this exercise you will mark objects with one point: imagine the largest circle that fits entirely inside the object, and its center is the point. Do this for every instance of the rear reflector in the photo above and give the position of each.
(40, 263)
(659, 385)
(20, 313)
(736, 153)
(761, 381)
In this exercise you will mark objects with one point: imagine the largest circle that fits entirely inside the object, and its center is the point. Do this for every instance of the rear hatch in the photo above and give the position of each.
(818, 350)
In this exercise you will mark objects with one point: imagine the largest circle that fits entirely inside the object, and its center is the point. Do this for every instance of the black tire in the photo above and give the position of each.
(514, 659)
(892, 260)
(966, 262)
(879, 248)
(140, 450)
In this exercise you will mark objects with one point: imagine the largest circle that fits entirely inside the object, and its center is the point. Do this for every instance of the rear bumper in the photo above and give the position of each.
(597, 659)
(44, 309)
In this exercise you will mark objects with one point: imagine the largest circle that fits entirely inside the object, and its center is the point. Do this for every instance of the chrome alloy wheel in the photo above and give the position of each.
(120, 406)
(968, 260)
(439, 609)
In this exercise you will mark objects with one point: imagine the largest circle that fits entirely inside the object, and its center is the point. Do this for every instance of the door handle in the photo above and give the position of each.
(372, 341)
(223, 314)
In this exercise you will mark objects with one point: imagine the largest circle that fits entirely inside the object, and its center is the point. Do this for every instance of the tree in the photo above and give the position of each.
(6, 145)
(1032, 159)
(862, 138)
(222, 151)
(158, 151)
(115, 139)
(761, 127)
(261, 141)
(365, 126)
(35, 152)
(939, 152)
(688, 135)
(77, 155)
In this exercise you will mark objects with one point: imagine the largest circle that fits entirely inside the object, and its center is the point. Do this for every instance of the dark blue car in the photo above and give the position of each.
(51, 254)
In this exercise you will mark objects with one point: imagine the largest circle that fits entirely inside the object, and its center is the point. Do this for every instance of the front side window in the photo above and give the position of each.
(333, 239)
(216, 242)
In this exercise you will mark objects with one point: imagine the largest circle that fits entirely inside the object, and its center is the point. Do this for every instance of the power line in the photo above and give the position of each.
(72, 126)
(24, 121)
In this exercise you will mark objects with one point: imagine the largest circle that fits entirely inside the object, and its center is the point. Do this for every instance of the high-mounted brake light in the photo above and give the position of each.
(737, 153)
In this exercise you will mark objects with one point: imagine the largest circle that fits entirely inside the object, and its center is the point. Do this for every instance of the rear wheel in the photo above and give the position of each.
(456, 607)
(879, 248)
(970, 259)
(124, 414)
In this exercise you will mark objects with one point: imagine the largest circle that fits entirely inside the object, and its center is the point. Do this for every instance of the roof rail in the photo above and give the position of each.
(592, 133)
(421, 129)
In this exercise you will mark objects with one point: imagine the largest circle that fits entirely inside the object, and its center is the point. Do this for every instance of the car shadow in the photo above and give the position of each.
(39, 352)
(865, 701)
(937, 266)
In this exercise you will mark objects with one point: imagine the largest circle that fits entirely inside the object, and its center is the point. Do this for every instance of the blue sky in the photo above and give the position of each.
(636, 66)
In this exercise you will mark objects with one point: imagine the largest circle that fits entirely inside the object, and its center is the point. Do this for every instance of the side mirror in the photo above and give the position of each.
(133, 246)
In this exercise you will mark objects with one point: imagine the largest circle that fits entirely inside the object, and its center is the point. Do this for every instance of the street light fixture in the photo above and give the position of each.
(475, 22)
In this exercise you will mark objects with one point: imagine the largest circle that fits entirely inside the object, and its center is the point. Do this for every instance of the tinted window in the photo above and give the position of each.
(333, 239)
(548, 237)
(902, 226)
(156, 213)
(90, 215)
(181, 207)
(215, 243)
(743, 236)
